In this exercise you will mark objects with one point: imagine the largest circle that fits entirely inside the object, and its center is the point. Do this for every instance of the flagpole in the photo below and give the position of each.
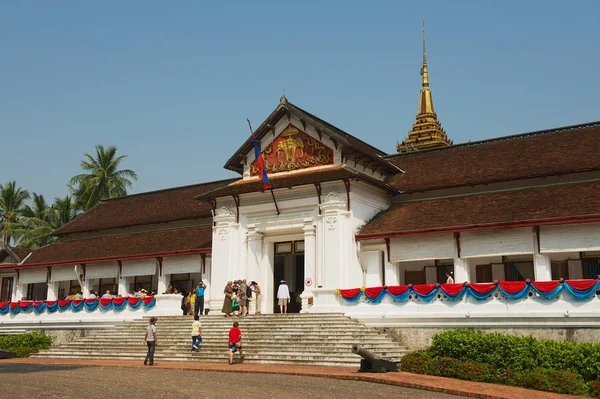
(271, 183)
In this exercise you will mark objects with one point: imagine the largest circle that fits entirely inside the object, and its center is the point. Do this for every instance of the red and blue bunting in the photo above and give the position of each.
(578, 289)
(76, 305)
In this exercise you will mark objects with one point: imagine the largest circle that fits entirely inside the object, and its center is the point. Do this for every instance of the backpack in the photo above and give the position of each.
(248, 291)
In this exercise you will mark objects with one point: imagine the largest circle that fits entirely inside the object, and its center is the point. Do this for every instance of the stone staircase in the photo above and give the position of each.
(298, 339)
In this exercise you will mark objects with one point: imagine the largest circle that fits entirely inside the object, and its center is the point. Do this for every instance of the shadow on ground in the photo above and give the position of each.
(30, 368)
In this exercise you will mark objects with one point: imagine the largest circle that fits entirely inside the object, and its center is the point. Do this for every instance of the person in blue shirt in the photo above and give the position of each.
(199, 304)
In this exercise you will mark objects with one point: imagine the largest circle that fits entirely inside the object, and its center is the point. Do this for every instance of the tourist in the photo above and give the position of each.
(78, 296)
(257, 296)
(176, 291)
(199, 304)
(138, 293)
(92, 295)
(449, 279)
(151, 341)
(192, 303)
(107, 295)
(169, 290)
(228, 291)
(206, 299)
(243, 298)
(283, 296)
(235, 342)
(196, 333)
(132, 294)
(185, 303)
(235, 304)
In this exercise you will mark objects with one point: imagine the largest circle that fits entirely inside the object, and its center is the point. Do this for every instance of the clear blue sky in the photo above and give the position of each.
(172, 83)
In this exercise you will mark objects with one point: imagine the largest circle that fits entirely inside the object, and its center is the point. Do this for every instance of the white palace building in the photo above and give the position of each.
(343, 215)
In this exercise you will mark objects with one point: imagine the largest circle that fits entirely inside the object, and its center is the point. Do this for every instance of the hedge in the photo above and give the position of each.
(518, 353)
(25, 344)
(540, 378)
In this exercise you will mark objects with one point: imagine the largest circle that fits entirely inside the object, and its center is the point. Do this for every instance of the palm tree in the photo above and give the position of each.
(12, 202)
(103, 178)
(34, 229)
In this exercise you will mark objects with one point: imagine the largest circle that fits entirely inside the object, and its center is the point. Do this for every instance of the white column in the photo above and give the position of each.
(542, 266)
(336, 244)
(462, 271)
(123, 289)
(223, 255)
(310, 257)
(52, 291)
(18, 292)
(392, 273)
(162, 280)
(254, 261)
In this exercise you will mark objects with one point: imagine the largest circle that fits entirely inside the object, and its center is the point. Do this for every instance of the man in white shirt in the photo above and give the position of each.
(283, 296)
(107, 295)
(206, 298)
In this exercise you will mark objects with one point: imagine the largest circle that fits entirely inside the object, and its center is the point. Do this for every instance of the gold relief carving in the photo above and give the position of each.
(294, 150)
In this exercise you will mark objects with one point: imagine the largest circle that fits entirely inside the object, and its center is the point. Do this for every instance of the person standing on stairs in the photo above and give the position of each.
(283, 296)
(257, 296)
(196, 334)
(243, 294)
(151, 341)
(199, 304)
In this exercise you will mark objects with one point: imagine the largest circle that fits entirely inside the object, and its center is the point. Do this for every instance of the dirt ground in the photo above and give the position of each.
(32, 381)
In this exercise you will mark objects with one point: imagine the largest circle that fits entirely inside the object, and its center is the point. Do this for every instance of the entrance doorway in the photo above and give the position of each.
(288, 265)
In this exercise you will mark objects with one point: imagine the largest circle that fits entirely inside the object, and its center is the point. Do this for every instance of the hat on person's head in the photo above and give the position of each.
(282, 281)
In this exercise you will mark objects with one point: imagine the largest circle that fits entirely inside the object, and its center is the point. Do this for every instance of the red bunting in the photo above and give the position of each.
(373, 292)
(119, 301)
(134, 300)
(148, 299)
(482, 288)
(581, 285)
(50, 303)
(89, 301)
(452, 289)
(63, 302)
(105, 301)
(397, 290)
(512, 287)
(424, 289)
(3, 304)
(24, 304)
(76, 301)
(38, 303)
(348, 294)
(545, 286)
(13, 305)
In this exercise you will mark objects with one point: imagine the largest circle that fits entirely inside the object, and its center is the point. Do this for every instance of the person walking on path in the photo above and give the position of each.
(196, 334)
(257, 296)
(228, 291)
(199, 304)
(235, 342)
(151, 341)
(283, 295)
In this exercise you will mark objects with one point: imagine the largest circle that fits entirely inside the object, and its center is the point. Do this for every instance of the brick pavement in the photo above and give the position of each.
(407, 380)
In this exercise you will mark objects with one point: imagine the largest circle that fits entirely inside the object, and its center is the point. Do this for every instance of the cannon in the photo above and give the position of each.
(371, 363)
(7, 355)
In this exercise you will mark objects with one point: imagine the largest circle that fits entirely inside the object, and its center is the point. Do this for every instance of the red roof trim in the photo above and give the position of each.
(482, 227)
(115, 258)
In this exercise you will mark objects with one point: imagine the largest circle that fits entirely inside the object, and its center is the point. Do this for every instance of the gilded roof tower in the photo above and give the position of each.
(427, 132)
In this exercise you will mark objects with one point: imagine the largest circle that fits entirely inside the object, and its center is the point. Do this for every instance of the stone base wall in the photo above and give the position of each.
(420, 338)
(65, 336)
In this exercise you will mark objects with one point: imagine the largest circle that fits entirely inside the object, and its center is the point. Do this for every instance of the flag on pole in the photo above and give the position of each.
(260, 161)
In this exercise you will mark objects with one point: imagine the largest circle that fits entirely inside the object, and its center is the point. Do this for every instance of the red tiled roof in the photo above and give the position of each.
(147, 208)
(536, 205)
(299, 178)
(553, 152)
(130, 246)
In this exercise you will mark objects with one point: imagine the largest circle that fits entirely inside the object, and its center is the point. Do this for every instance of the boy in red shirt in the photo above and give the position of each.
(235, 342)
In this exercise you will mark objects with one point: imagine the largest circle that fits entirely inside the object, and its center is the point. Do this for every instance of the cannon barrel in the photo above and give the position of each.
(362, 352)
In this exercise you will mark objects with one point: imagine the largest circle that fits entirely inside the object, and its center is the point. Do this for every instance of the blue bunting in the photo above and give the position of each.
(581, 294)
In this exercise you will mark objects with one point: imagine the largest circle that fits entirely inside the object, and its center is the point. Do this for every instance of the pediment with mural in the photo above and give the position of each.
(293, 149)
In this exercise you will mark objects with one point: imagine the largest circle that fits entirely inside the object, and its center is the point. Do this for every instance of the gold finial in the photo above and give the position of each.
(424, 74)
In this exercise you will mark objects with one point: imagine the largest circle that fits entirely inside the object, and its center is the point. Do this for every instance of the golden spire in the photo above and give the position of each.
(427, 132)
(424, 74)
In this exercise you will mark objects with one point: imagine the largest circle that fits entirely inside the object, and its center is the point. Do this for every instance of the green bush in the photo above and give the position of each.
(595, 389)
(470, 371)
(418, 362)
(24, 344)
(550, 380)
(518, 353)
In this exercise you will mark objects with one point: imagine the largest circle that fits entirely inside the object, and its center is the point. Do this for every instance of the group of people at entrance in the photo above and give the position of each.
(234, 342)
(238, 295)
(195, 301)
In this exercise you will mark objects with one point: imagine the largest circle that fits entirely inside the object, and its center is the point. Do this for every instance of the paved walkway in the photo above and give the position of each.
(407, 380)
